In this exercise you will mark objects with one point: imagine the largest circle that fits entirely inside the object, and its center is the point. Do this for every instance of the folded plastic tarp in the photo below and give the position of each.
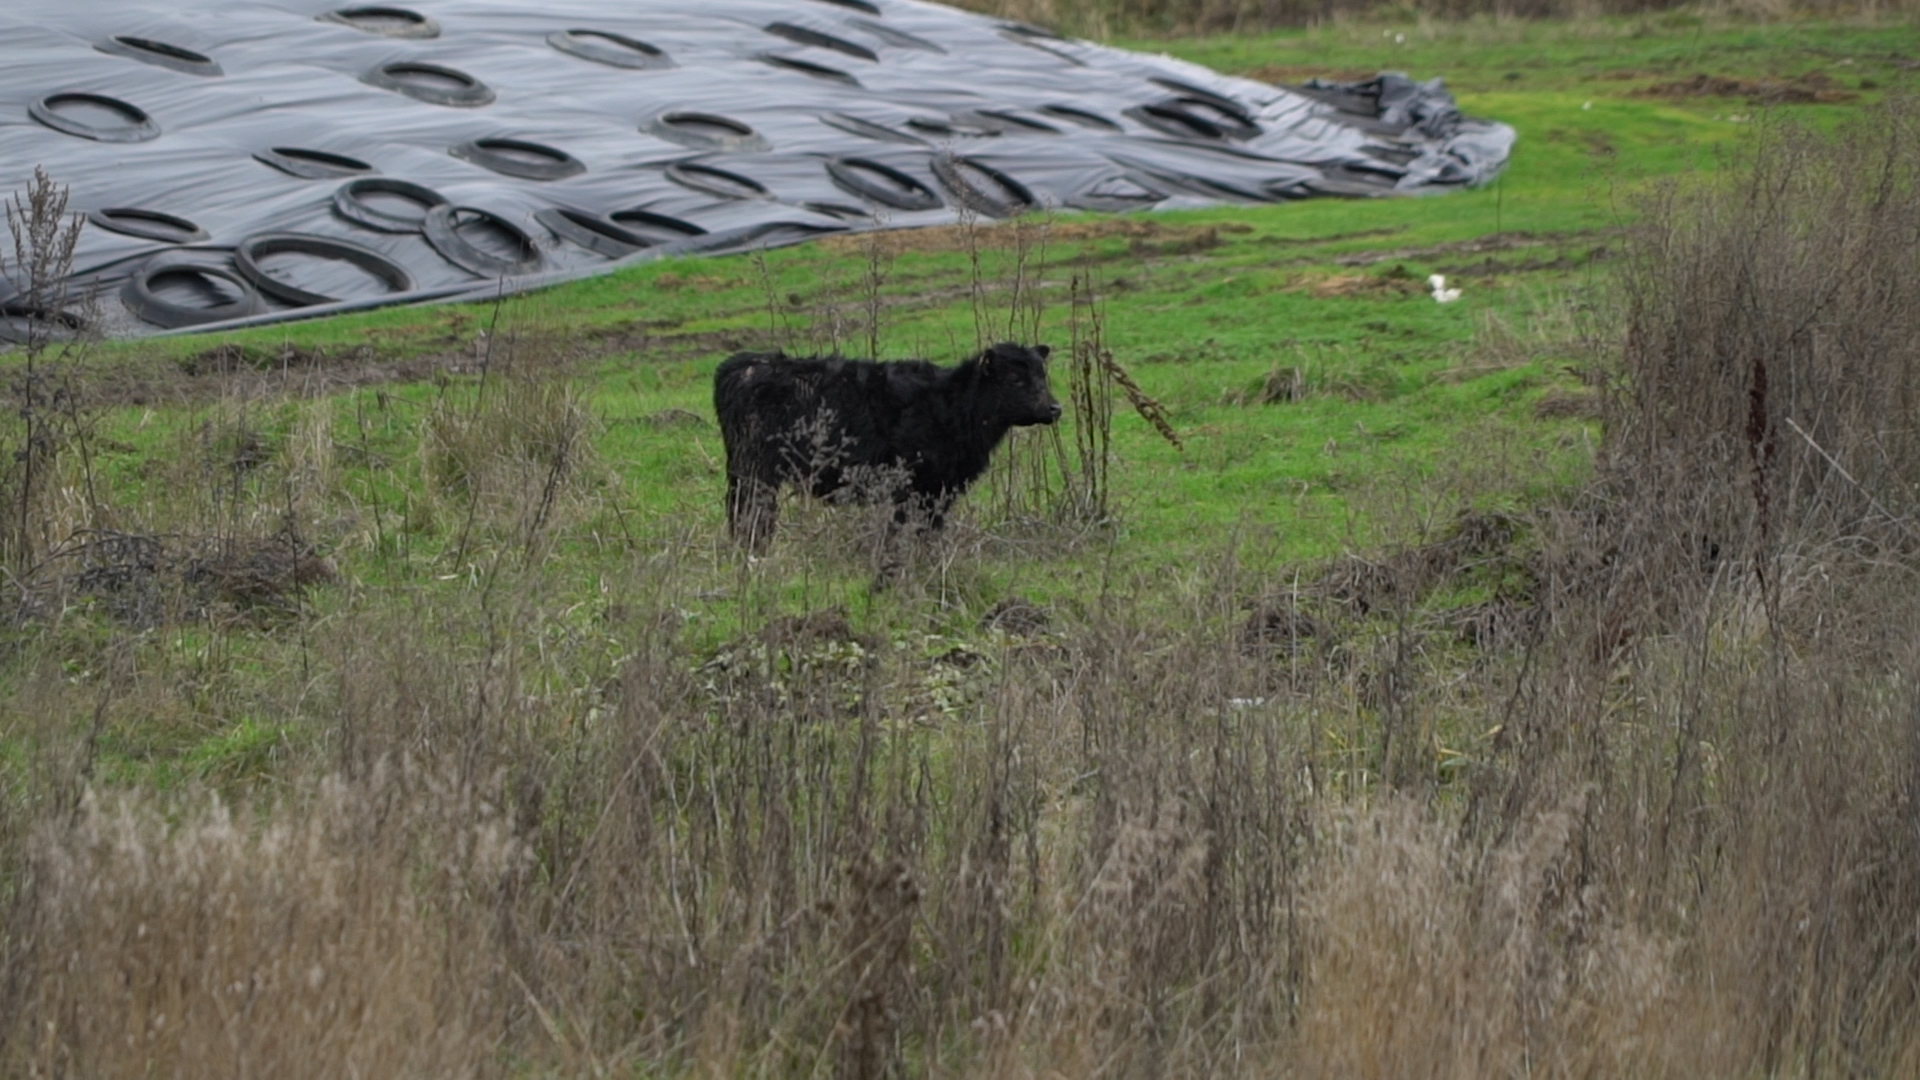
(239, 160)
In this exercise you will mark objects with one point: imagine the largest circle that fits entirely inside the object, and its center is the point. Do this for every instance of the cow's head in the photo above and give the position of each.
(1016, 379)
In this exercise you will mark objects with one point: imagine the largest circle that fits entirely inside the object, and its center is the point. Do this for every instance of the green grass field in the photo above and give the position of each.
(1201, 307)
(502, 512)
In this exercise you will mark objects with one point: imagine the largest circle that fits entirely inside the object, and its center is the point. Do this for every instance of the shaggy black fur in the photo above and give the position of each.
(906, 429)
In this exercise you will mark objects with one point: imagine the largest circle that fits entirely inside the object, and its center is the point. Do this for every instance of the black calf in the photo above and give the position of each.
(916, 432)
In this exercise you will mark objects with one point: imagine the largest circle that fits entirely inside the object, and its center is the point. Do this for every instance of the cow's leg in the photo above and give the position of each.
(937, 506)
(906, 506)
(753, 509)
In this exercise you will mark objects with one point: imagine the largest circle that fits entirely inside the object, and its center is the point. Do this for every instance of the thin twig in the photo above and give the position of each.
(1842, 470)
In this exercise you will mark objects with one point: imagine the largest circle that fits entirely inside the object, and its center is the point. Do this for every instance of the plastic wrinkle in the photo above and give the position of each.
(1029, 30)
(655, 228)
(867, 129)
(1168, 118)
(1232, 121)
(808, 68)
(843, 211)
(1220, 102)
(147, 225)
(717, 182)
(312, 164)
(607, 47)
(1040, 45)
(1003, 122)
(800, 35)
(1118, 194)
(591, 231)
(1079, 116)
(255, 248)
(160, 54)
(895, 36)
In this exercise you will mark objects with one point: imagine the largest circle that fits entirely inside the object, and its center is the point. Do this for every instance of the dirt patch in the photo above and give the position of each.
(1278, 627)
(1808, 88)
(252, 373)
(672, 282)
(675, 418)
(1564, 403)
(828, 626)
(943, 239)
(1476, 546)
(1396, 280)
(656, 343)
(227, 359)
(1016, 617)
(1507, 241)
(148, 580)
(248, 373)
(1489, 267)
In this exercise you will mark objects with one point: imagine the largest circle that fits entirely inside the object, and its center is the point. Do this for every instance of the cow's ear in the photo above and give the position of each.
(1043, 352)
(986, 360)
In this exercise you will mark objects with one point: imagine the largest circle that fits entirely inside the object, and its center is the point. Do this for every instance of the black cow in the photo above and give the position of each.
(906, 429)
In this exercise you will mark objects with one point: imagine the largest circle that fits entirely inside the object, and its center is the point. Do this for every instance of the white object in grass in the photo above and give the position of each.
(1442, 294)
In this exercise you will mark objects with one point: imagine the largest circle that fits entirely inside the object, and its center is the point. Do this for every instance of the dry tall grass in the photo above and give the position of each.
(521, 831)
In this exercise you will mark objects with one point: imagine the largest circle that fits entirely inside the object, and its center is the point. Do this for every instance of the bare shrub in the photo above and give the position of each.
(45, 432)
(508, 459)
(1770, 361)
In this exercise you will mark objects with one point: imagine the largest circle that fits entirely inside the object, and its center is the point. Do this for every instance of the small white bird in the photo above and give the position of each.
(1442, 294)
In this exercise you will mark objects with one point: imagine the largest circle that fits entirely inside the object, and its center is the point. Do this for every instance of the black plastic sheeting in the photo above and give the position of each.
(241, 160)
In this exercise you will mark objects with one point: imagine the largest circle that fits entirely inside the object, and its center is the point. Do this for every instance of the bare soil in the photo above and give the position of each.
(1808, 88)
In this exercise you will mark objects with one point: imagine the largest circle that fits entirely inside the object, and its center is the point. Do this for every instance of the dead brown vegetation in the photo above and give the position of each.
(1627, 784)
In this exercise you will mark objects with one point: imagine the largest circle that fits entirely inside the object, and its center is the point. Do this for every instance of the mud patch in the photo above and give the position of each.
(229, 358)
(231, 371)
(1507, 241)
(1562, 403)
(947, 239)
(148, 580)
(1490, 267)
(1808, 88)
(1016, 617)
(675, 418)
(1278, 627)
(1396, 280)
